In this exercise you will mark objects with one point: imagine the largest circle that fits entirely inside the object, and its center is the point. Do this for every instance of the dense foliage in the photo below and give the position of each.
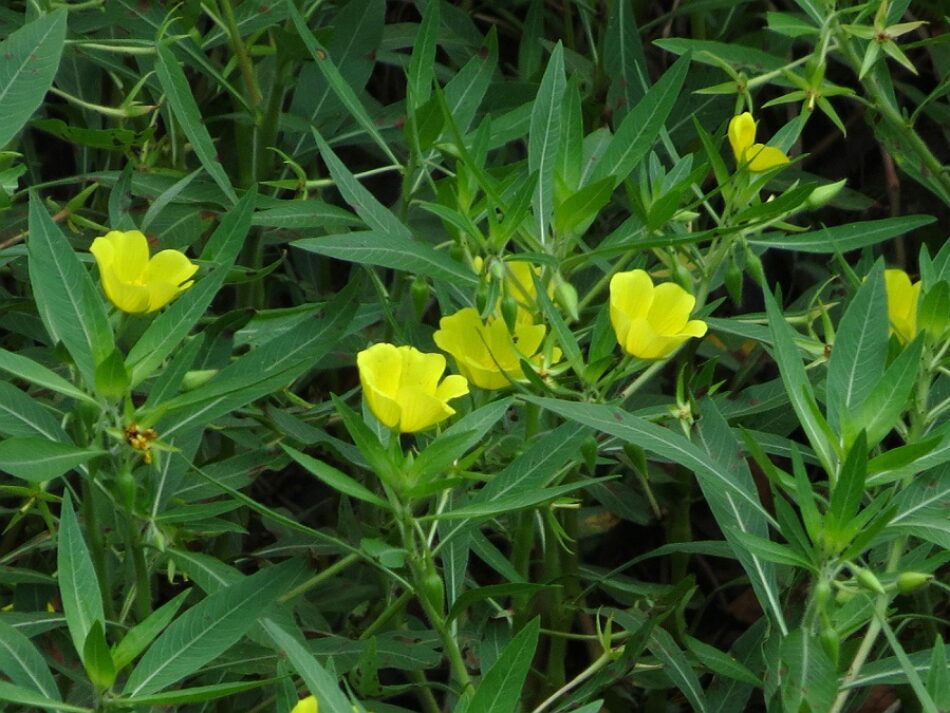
(474, 356)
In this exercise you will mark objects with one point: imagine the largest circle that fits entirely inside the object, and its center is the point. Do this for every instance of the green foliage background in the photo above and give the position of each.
(758, 521)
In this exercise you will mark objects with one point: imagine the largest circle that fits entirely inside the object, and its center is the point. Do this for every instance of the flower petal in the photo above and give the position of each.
(902, 297)
(670, 309)
(762, 158)
(130, 254)
(741, 134)
(631, 294)
(452, 387)
(380, 367)
(420, 410)
(420, 370)
(645, 343)
(129, 297)
(306, 705)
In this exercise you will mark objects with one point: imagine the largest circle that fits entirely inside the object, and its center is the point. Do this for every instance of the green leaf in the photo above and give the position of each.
(21, 415)
(843, 238)
(112, 378)
(97, 658)
(143, 633)
(720, 662)
(398, 253)
(422, 62)
(575, 215)
(890, 396)
(38, 459)
(623, 60)
(938, 679)
(640, 129)
(263, 370)
(337, 82)
(78, 586)
(796, 382)
(67, 300)
(808, 673)
(23, 664)
(320, 683)
(771, 551)
(544, 137)
(913, 678)
(195, 694)
(676, 667)
(208, 629)
(500, 689)
(186, 111)
(464, 92)
(860, 348)
(172, 325)
(25, 368)
(789, 25)
(10, 693)
(29, 58)
(616, 422)
(848, 491)
(736, 55)
(336, 479)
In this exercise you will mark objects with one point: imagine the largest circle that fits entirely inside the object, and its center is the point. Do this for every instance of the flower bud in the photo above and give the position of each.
(589, 450)
(867, 579)
(831, 643)
(754, 266)
(822, 592)
(481, 296)
(908, 582)
(509, 311)
(433, 589)
(566, 297)
(822, 195)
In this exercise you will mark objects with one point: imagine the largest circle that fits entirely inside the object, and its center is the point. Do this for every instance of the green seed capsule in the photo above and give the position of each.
(822, 594)
(589, 450)
(125, 489)
(831, 642)
(566, 297)
(420, 295)
(753, 266)
(481, 297)
(908, 582)
(509, 311)
(733, 280)
(867, 579)
(433, 589)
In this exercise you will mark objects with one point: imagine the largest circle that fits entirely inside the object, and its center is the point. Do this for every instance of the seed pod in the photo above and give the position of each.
(481, 296)
(908, 582)
(831, 642)
(509, 311)
(754, 266)
(823, 592)
(125, 489)
(733, 279)
(420, 295)
(433, 589)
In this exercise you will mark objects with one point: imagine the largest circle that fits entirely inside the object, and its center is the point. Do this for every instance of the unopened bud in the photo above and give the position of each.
(420, 295)
(509, 311)
(589, 450)
(566, 297)
(733, 280)
(822, 195)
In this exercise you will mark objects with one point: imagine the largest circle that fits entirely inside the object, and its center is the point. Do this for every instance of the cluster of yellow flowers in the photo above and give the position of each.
(404, 387)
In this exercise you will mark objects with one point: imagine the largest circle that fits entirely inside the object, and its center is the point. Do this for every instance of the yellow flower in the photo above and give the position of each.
(487, 354)
(401, 386)
(133, 282)
(306, 705)
(651, 322)
(756, 157)
(902, 297)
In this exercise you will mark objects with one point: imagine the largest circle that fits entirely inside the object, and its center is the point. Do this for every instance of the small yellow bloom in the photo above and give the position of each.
(487, 354)
(651, 322)
(401, 386)
(134, 282)
(902, 297)
(306, 705)
(756, 157)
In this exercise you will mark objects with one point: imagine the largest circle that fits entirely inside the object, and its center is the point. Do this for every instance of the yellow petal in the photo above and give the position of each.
(420, 370)
(670, 309)
(380, 368)
(902, 297)
(130, 254)
(306, 705)
(741, 134)
(762, 158)
(452, 387)
(168, 275)
(631, 294)
(420, 410)
(645, 343)
(520, 283)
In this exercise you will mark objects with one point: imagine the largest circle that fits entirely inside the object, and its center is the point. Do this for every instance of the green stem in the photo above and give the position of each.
(143, 583)
(892, 115)
(96, 545)
(243, 58)
(320, 577)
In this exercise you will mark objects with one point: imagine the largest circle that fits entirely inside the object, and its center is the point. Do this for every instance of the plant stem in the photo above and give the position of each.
(143, 584)
(320, 577)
